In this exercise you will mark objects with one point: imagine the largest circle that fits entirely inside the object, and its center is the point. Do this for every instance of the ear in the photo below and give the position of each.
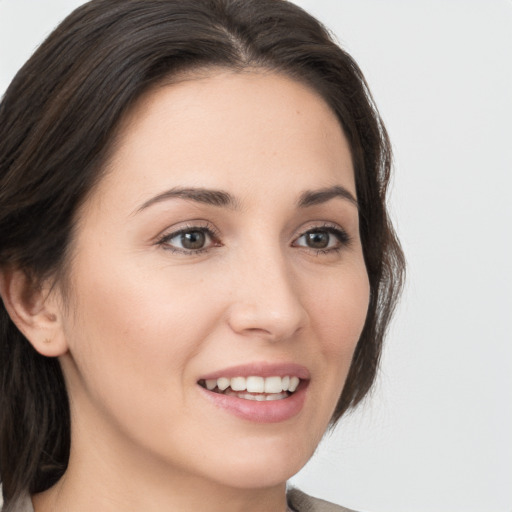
(36, 311)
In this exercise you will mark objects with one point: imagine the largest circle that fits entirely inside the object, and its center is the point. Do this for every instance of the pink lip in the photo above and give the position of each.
(271, 411)
(262, 370)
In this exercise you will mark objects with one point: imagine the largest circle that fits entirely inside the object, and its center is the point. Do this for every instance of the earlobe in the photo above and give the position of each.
(35, 310)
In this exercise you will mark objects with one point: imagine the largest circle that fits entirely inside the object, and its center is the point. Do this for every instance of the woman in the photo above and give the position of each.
(197, 268)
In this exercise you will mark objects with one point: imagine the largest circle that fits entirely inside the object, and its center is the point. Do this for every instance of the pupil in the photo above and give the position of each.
(318, 239)
(193, 240)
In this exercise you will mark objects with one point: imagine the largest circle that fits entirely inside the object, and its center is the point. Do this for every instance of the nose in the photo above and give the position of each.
(266, 300)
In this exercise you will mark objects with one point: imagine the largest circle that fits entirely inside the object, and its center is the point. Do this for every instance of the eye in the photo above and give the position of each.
(324, 239)
(189, 240)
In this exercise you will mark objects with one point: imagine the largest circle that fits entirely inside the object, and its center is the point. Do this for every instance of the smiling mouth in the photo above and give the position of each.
(254, 387)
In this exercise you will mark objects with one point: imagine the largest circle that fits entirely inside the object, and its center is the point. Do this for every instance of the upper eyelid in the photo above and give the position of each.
(329, 229)
(189, 226)
(209, 227)
(334, 226)
(163, 240)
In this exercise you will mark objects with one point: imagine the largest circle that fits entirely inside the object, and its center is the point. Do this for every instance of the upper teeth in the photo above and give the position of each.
(255, 384)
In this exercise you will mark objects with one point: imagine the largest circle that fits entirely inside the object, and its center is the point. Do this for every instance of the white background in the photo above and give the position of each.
(436, 436)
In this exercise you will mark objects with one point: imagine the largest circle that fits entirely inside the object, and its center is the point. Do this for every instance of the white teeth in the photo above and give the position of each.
(273, 385)
(238, 383)
(211, 383)
(223, 383)
(255, 384)
(258, 398)
(294, 382)
(277, 396)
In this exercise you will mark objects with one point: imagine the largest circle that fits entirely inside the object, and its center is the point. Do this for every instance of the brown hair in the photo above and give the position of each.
(57, 122)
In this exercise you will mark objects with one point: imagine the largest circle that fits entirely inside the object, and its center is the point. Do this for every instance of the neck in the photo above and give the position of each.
(67, 497)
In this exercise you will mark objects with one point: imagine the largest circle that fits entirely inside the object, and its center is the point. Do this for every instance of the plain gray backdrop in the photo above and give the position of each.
(436, 434)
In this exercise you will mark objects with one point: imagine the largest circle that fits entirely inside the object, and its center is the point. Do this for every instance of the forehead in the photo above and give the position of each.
(229, 130)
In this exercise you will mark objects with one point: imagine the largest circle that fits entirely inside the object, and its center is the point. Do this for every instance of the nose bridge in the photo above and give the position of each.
(266, 301)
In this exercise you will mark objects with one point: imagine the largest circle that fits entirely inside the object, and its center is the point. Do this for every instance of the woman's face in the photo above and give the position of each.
(223, 243)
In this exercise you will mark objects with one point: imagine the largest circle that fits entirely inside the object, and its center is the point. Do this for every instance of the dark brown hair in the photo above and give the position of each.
(57, 122)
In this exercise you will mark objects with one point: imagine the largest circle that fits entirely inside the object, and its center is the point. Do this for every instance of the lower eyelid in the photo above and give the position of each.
(166, 238)
(340, 234)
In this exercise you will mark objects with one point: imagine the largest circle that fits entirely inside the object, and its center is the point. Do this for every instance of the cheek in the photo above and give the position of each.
(338, 307)
(132, 344)
(137, 316)
(338, 312)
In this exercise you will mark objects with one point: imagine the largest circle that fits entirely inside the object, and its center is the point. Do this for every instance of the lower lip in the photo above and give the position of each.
(270, 411)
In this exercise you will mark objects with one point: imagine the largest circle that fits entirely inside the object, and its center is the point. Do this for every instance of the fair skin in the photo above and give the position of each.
(168, 290)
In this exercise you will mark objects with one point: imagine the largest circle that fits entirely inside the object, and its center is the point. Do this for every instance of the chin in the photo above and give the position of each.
(257, 477)
(264, 466)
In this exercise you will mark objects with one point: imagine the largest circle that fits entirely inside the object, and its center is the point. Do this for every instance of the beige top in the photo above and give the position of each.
(301, 502)
(297, 500)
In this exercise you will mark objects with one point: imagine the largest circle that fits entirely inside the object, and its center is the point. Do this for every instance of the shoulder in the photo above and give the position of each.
(23, 504)
(297, 500)
(301, 502)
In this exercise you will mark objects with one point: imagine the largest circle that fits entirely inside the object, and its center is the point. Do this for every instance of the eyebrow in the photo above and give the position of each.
(315, 197)
(200, 195)
(223, 199)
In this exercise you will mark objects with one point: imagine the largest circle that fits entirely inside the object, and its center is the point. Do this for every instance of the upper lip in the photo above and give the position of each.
(260, 369)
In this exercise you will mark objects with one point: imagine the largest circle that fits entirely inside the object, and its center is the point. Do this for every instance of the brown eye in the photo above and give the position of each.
(317, 239)
(323, 239)
(193, 240)
(190, 240)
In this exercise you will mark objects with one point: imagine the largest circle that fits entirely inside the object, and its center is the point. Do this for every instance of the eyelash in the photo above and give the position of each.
(342, 236)
(213, 234)
(207, 229)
